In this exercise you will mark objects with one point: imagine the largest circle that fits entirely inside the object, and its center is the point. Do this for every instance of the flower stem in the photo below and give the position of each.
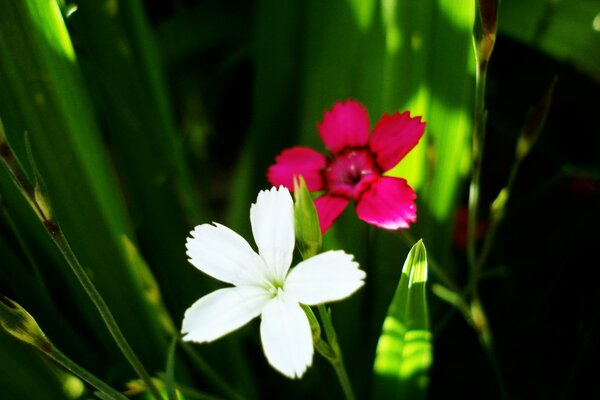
(210, 373)
(61, 242)
(333, 353)
(477, 149)
(67, 363)
(40, 204)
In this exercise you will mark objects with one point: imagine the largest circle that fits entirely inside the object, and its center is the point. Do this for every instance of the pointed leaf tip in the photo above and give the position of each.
(404, 351)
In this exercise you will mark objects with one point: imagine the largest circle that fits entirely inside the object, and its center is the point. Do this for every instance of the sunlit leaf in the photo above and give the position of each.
(404, 351)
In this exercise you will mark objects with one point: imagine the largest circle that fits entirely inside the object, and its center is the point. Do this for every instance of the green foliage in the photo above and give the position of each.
(404, 351)
(134, 121)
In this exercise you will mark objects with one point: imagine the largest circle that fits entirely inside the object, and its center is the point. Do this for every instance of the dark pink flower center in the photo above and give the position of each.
(350, 172)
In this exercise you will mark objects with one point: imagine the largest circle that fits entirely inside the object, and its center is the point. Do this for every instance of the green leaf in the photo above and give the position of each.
(170, 370)
(565, 30)
(404, 350)
(147, 147)
(102, 396)
(24, 374)
(43, 94)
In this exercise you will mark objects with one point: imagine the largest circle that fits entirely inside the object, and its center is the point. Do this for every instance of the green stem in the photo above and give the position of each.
(487, 342)
(209, 373)
(477, 149)
(340, 371)
(496, 217)
(337, 361)
(67, 363)
(85, 281)
(41, 206)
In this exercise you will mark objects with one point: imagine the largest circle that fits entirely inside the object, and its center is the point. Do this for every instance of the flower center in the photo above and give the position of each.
(275, 289)
(350, 172)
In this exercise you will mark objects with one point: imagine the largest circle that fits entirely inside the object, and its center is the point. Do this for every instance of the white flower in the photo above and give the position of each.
(264, 284)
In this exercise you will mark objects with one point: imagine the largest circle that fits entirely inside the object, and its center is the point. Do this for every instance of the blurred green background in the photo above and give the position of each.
(148, 118)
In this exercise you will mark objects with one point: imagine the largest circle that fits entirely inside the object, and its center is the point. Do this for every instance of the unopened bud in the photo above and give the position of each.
(484, 30)
(535, 122)
(306, 220)
(16, 321)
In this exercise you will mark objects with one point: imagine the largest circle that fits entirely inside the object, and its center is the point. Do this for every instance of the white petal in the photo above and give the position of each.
(272, 219)
(286, 336)
(328, 276)
(222, 311)
(223, 254)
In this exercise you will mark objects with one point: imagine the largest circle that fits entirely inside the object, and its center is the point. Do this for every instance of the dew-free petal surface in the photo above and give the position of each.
(346, 124)
(388, 203)
(329, 276)
(298, 161)
(286, 336)
(272, 220)
(393, 137)
(329, 208)
(222, 311)
(221, 253)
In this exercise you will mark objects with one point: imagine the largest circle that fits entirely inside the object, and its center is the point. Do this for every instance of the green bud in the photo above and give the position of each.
(484, 29)
(535, 122)
(2, 134)
(40, 196)
(499, 205)
(15, 320)
(306, 220)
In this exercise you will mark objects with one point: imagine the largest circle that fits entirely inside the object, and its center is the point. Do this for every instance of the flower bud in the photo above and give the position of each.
(15, 320)
(306, 220)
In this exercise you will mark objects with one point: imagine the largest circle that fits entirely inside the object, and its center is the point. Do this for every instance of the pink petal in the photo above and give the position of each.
(388, 203)
(394, 136)
(346, 124)
(329, 208)
(295, 162)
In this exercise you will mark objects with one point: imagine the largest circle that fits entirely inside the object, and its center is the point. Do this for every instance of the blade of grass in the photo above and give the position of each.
(404, 351)
(43, 94)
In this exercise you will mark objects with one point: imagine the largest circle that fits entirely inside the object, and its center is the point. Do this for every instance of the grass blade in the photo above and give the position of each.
(404, 351)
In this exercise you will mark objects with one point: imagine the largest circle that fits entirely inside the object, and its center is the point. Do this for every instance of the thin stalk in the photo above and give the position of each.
(474, 187)
(63, 245)
(487, 342)
(497, 216)
(67, 363)
(529, 135)
(337, 361)
(484, 37)
(42, 208)
(210, 373)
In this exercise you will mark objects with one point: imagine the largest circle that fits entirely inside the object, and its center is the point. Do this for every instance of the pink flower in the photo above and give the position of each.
(356, 166)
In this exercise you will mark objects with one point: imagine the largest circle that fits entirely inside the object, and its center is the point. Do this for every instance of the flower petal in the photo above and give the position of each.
(329, 208)
(286, 336)
(393, 137)
(223, 311)
(223, 254)
(346, 124)
(295, 162)
(388, 203)
(272, 219)
(328, 276)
